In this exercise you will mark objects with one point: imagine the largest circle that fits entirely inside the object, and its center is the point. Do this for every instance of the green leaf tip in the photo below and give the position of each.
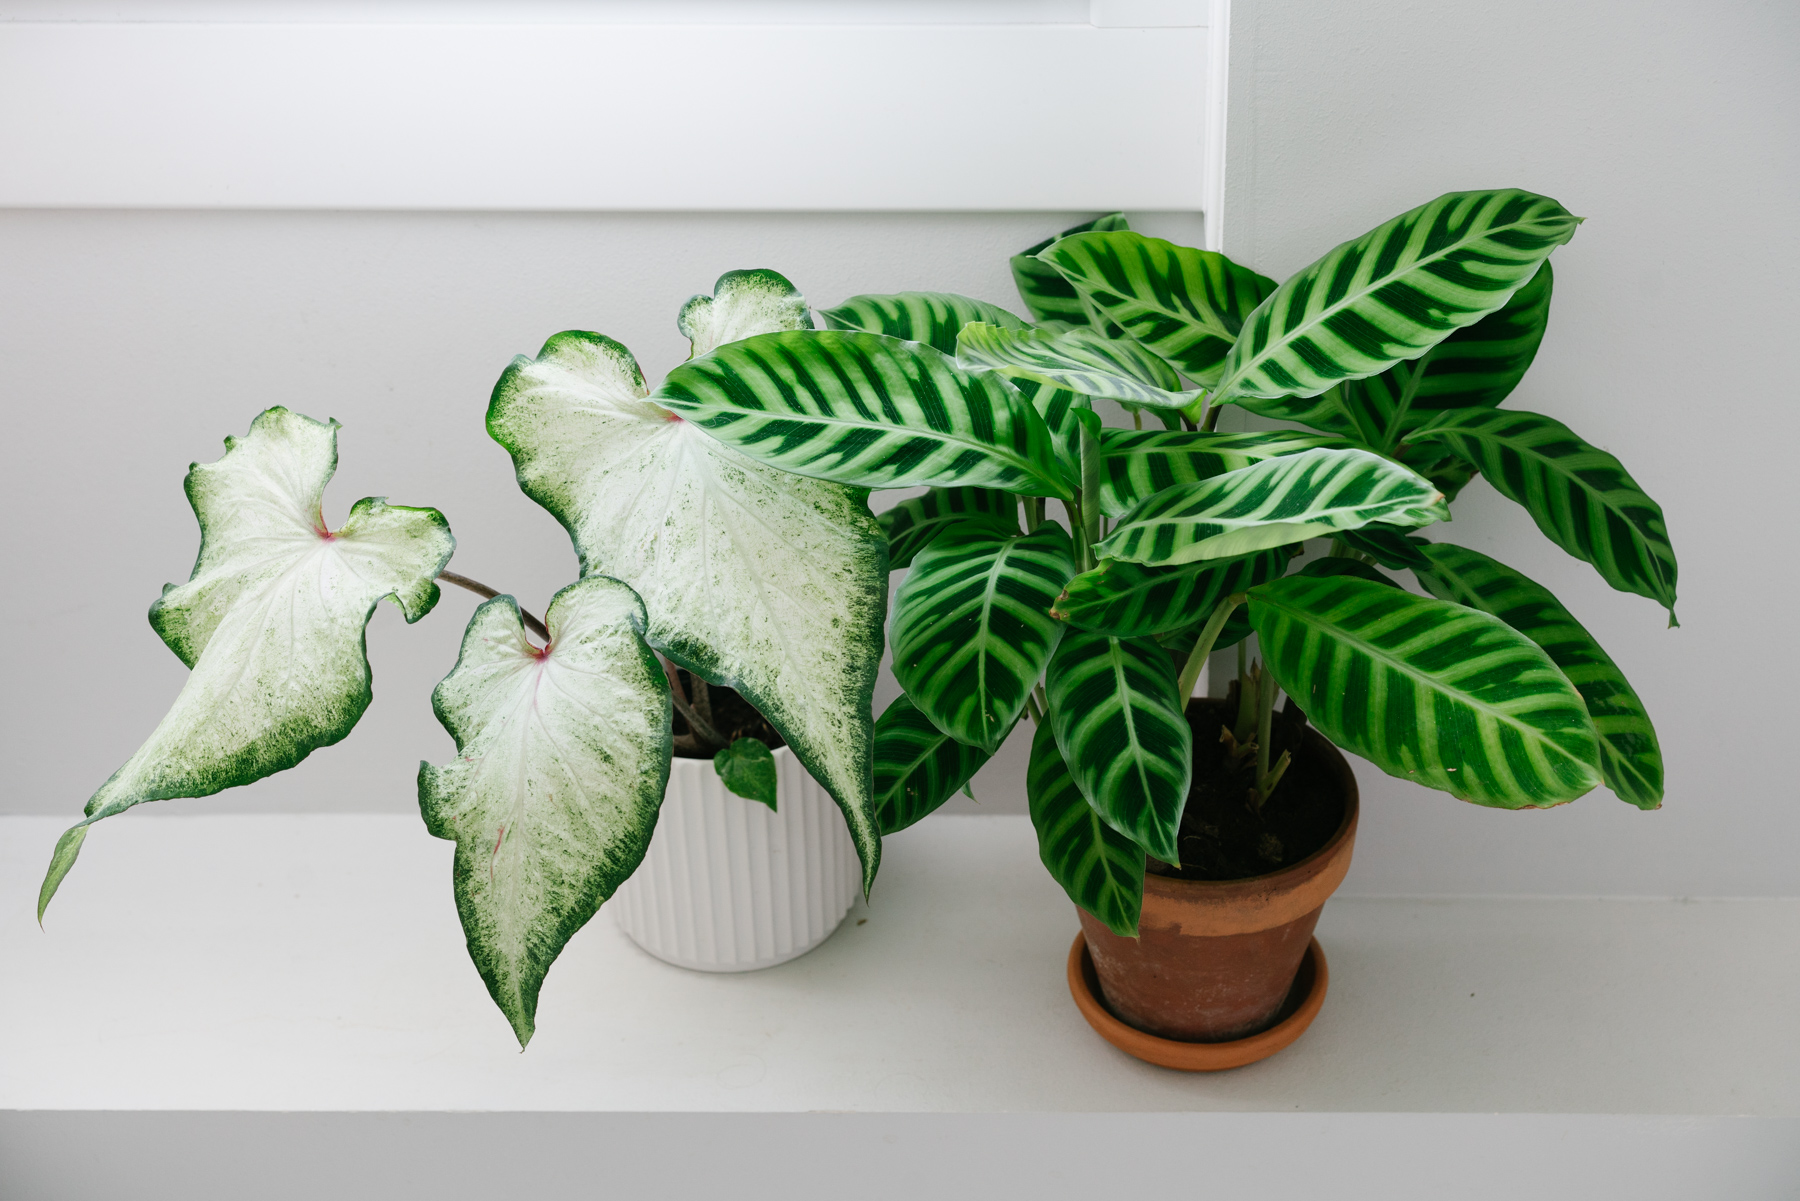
(747, 769)
(68, 847)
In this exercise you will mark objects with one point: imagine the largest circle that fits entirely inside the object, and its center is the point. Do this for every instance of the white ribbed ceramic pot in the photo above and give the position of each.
(729, 886)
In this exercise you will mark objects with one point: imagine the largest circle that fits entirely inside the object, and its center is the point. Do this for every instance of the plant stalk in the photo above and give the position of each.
(1265, 728)
(702, 729)
(1090, 492)
(1190, 671)
(482, 590)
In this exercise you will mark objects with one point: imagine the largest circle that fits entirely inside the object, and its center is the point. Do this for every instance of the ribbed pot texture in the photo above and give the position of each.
(1214, 959)
(727, 885)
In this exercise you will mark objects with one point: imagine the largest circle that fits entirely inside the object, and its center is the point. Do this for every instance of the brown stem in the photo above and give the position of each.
(482, 590)
(702, 729)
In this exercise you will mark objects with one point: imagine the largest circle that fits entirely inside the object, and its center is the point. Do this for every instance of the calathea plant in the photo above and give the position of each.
(1396, 348)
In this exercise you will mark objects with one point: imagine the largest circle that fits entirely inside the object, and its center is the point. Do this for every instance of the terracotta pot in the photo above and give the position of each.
(1215, 959)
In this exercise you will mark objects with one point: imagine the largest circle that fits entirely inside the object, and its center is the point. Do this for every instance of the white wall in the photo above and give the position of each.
(132, 342)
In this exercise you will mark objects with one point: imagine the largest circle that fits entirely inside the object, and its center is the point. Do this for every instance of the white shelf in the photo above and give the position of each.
(314, 964)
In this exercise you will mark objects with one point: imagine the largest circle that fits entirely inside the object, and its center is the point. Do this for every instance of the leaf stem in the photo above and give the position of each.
(1190, 672)
(482, 590)
(1265, 723)
(1090, 492)
(1031, 707)
(702, 729)
(1214, 406)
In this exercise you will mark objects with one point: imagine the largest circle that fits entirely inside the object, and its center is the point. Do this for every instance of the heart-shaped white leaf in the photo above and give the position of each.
(562, 755)
(743, 304)
(271, 621)
(769, 583)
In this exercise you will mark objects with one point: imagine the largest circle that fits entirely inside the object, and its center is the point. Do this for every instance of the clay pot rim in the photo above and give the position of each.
(1346, 827)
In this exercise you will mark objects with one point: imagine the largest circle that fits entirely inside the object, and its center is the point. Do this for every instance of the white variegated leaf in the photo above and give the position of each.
(271, 622)
(766, 582)
(743, 304)
(562, 755)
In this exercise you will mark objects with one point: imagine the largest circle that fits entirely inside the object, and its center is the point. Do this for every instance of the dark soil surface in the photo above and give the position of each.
(731, 715)
(1222, 836)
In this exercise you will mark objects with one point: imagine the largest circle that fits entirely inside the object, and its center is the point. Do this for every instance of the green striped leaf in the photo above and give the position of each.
(972, 627)
(1449, 471)
(1061, 409)
(1580, 496)
(1272, 503)
(934, 318)
(1180, 643)
(765, 582)
(1047, 295)
(1186, 305)
(1630, 758)
(1137, 464)
(1428, 691)
(272, 622)
(866, 410)
(1388, 545)
(562, 755)
(743, 304)
(1476, 367)
(917, 766)
(1391, 294)
(1100, 868)
(1081, 360)
(1129, 599)
(912, 524)
(1121, 729)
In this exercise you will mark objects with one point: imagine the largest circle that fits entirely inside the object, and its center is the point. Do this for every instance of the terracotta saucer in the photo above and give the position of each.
(1297, 1012)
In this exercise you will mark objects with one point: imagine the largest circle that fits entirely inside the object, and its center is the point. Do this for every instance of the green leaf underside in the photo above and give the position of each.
(1428, 691)
(1187, 306)
(1630, 758)
(972, 627)
(272, 620)
(1388, 545)
(934, 318)
(743, 304)
(562, 756)
(1047, 295)
(1080, 359)
(1476, 367)
(1100, 868)
(747, 769)
(1449, 471)
(1272, 503)
(917, 766)
(1130, 599)
(764, 582)
(1136, 465)
(1582, 498)
(1336, 565)
(1391, 294)
(912, 524)
(866, 410)
(1121, 729)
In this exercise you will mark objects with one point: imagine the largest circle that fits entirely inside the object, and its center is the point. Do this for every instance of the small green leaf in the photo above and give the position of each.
(934, 318)
(1272, 503)
(1081, 360)
(866, 410)
(1047, 295)
(743, 304)
(1100, 868)
(1185, 305)
(747, 769)
(912, 524)
(917, 766)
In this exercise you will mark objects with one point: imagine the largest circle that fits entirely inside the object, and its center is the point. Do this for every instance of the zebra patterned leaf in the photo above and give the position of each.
(1630, 758)
(1272, 503)
(1188, 306)
(1100, 868)
(912, 524)
(1119, 724)
(1129, 599)
(743, 304)
(1078, 359)
(1391, 294)
(1137, 464)
(1476, 367)
(866, 410)
(1428, 691)
(272, 621)
(1581, 497)
(917, 766)
(1061, 410)
(1047, 295)
(972, 627)
(562, 755)
(934, 318)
